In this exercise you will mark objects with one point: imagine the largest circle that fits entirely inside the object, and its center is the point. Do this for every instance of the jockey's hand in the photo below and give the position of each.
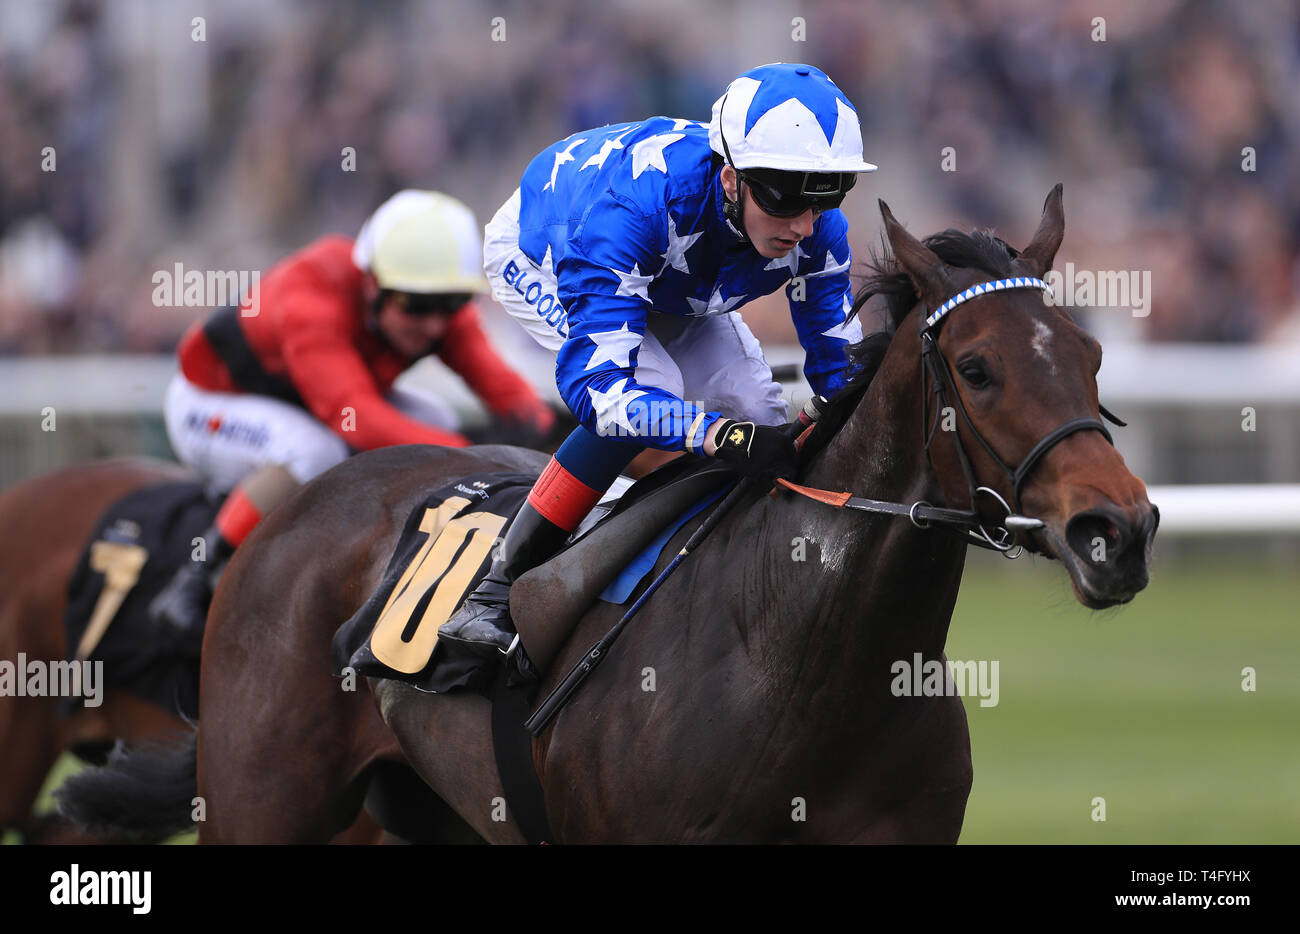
(759, 451)
(533, 415)
(528, 425)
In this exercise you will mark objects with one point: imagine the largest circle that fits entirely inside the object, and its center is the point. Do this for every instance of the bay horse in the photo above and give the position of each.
(46, 521)
(771, 717)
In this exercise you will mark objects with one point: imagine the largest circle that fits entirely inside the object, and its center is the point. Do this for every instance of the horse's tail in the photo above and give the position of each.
(145, 792)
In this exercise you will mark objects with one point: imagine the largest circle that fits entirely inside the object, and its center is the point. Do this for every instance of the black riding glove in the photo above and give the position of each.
(759, 451)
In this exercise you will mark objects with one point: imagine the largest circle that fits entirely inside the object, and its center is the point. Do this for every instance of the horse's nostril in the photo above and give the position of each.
(1096, 537)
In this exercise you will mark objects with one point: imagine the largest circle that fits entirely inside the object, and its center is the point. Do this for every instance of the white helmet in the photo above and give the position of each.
(787, 117)
(422, 242)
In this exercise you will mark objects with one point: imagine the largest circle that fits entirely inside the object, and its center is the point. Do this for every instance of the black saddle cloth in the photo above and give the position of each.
(139, 656)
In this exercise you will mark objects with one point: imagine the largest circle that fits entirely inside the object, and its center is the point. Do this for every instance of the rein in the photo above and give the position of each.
(936, 379)
(923, 515)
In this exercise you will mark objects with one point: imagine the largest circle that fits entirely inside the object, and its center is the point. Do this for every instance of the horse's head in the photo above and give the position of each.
(1012, 405)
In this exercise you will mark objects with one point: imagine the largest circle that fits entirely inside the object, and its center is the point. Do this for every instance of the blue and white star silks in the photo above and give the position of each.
(611, 409)
(832, 266)
(561, 157)
(630, 219)
(716, 305)
(649, 153)
(846, 330)
(675, 255)
(598, 160)
(613, 347)
(790, 261)
(632, 283)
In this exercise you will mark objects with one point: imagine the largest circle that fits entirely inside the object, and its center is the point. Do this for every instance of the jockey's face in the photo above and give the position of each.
(773, 237)
(412, 335)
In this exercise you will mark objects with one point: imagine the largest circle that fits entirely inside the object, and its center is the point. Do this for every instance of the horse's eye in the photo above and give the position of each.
(975, 373)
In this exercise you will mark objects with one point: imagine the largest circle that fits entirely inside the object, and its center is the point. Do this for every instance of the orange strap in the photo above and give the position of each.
(237, 517)
(822, 496)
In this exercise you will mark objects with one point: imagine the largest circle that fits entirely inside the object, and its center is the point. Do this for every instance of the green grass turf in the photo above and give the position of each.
(1141, 705)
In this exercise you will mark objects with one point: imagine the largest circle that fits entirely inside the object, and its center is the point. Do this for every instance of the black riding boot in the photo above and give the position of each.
(182, 606)
(482, 625)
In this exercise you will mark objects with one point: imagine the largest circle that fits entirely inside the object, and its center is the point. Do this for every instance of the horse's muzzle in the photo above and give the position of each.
(1107, 550)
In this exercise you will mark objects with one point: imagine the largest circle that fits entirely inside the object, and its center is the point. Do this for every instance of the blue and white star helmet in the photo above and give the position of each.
(787, 117)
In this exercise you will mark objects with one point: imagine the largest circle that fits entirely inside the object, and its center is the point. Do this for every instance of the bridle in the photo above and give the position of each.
(936, 380)
(934, 369)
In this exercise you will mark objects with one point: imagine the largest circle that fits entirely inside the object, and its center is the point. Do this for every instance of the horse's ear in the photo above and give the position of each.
(928, 273)
(1037, 258)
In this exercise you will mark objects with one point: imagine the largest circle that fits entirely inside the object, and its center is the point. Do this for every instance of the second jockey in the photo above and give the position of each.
(284, 387)
(627, 250)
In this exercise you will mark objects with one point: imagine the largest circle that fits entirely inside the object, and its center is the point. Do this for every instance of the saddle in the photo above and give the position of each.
(613, 558)
(445, 549)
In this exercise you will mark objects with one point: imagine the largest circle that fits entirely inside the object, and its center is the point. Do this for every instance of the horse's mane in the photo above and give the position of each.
(885, 277)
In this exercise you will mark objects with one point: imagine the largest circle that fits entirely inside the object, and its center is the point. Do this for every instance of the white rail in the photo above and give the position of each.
(1227, 509)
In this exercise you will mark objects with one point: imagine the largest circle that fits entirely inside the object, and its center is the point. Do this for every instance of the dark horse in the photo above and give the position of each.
(771, 717)
(46, 522)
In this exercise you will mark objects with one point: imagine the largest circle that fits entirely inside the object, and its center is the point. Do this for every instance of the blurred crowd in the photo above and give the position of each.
(135, 134)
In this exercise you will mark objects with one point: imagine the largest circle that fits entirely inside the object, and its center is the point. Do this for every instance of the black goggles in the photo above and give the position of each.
(420, 306)
(789, 194)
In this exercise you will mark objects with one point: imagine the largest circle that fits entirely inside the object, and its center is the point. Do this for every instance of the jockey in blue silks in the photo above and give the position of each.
(627, 250)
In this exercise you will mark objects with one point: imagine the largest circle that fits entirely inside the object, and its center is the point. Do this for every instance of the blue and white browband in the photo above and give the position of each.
(975, 291)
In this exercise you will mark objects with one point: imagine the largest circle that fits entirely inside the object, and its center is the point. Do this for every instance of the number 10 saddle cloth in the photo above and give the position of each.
(447, 545)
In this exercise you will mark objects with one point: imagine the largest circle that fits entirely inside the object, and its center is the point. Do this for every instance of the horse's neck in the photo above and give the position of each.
(878, 590)
(880, 452)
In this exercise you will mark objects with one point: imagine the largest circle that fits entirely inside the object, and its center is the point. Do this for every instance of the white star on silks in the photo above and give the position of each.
(677, 247)
(611, 407)
(613, 346)
(846, 330)
(649, 153)
(598, 160)
(561, 157)
(715, 305)
(633, 283)
(681, 124)
(790, 259)
(831, 266)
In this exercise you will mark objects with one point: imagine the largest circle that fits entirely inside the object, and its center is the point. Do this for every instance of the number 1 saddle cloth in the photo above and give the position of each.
(136, 547)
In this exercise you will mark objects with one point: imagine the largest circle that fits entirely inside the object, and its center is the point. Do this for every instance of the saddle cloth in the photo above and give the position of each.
(445, 548)
(133, 552)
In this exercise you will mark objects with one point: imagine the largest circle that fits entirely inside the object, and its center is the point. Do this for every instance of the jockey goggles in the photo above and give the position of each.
(421, 305)
(782, 193)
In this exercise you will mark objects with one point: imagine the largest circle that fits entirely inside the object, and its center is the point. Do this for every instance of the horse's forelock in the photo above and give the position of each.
(884, 277)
